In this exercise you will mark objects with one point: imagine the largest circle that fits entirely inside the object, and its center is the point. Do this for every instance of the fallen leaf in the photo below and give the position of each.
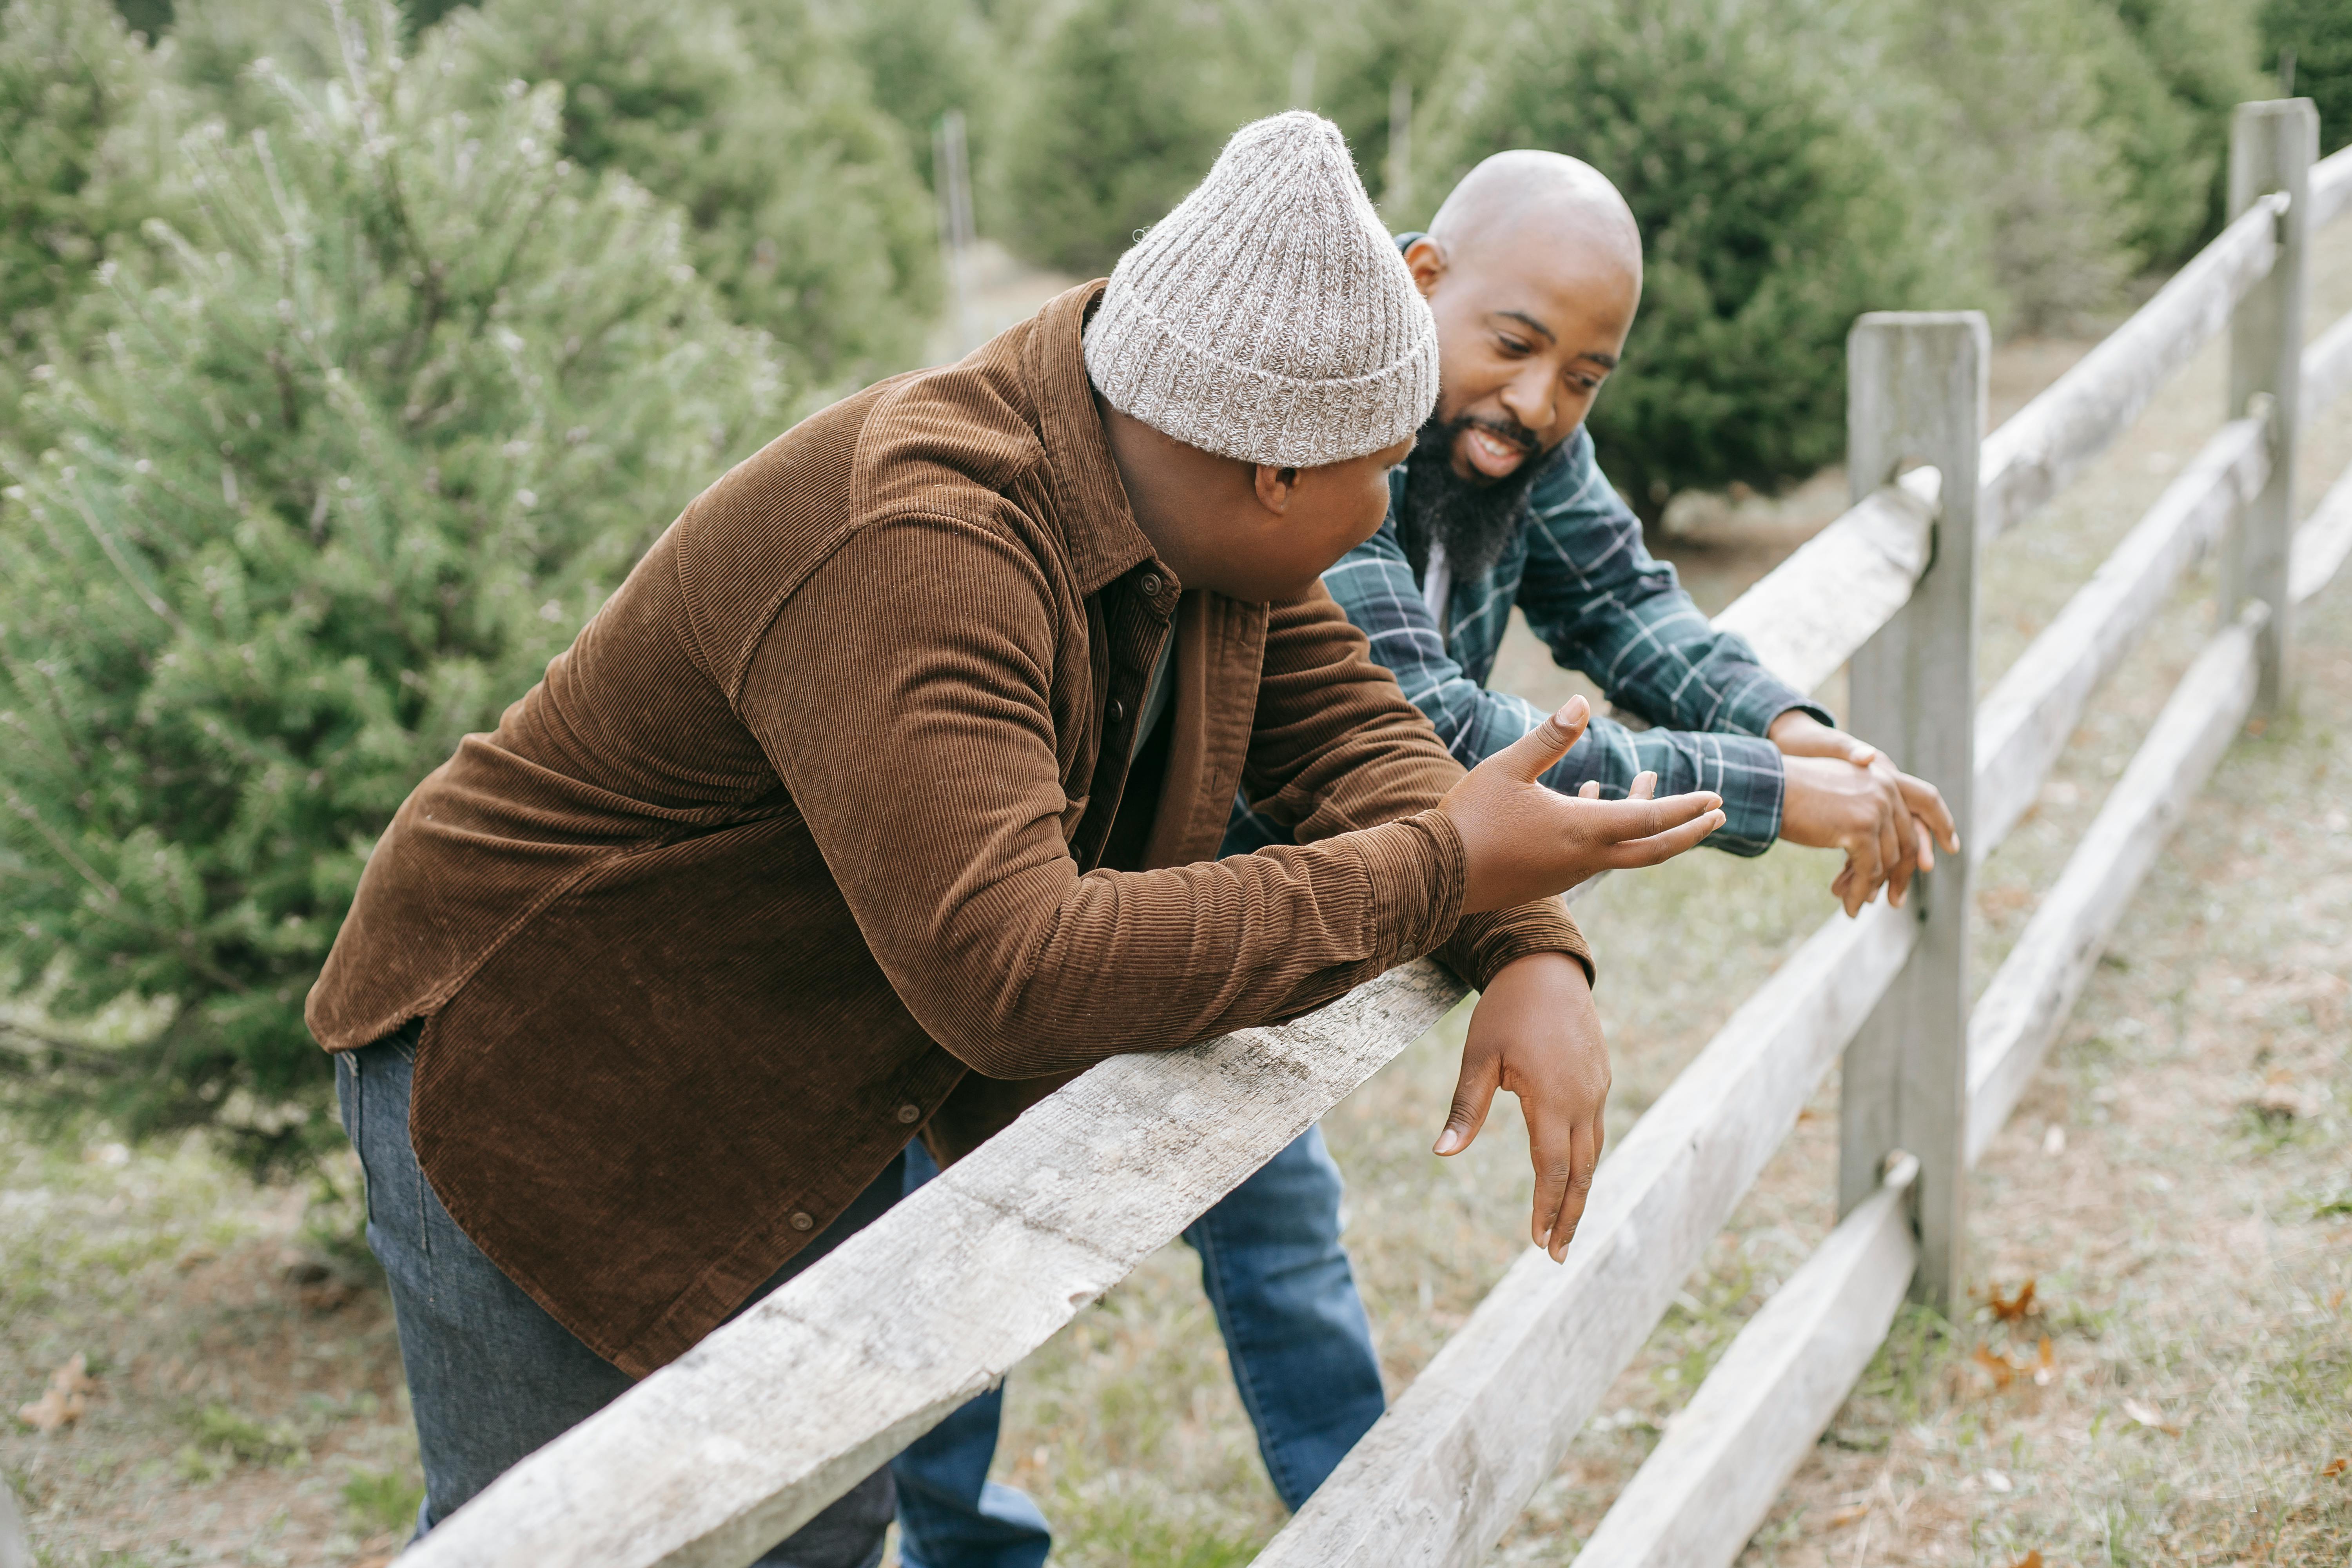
(2149, 1416)
(2031, 1559)
(2336, 1466)
(1997, 1365)
(2011, 1310)
(2046, 1368)
(66, 1399)
(1847, 1515)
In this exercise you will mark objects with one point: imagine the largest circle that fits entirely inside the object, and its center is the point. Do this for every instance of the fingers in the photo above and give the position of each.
(1894, 847)
(1554, 1162)
(1659, 847)
(1640, 816)
(1526, 758)
(1926, 845)
(1645, 787)
(1583, 1159)
(1473, 1096)
(1926, 802)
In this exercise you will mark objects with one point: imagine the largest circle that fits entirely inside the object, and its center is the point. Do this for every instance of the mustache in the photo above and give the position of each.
(1505, 430)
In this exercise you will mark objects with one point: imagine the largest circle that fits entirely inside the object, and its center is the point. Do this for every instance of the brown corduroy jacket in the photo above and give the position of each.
(798, 848)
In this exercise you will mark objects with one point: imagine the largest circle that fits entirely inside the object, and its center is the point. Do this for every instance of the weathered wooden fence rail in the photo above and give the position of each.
(711, 1459)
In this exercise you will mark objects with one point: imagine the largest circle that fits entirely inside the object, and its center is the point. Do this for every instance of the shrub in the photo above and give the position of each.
(412, 397)
(1770, 219)
(215, 42)
(75, 86)
(1127, 104)
(2191, 62)
(1361, 51)
(2023, 120)
(922, 58)
(806, 209)
(2320, 34)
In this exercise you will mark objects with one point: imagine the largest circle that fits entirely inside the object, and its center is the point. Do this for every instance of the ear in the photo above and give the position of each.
(1426, 260)
(1276, 486)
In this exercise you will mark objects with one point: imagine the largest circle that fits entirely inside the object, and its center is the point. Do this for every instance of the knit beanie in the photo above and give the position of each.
(1269, 317)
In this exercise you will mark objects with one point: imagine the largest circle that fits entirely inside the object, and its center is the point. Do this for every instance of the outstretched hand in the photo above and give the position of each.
(1534, 1032)
(1522, 841)
(1845, 794)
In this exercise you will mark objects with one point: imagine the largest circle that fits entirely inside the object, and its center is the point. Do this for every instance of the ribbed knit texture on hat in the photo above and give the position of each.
(1269, 317)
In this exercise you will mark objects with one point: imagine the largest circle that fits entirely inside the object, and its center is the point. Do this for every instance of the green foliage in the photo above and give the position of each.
(410, 399)
(222, 1438)
(75, 89)
(2025, 127)
(924, 58)
(1360, 50)
(1770, 218)
(806, 207)
(1127, 104)
(383, 1500)
(2320, 34)
(2197, 60)
(215, 42)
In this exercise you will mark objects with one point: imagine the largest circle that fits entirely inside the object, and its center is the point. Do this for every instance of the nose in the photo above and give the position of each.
(1530, 398)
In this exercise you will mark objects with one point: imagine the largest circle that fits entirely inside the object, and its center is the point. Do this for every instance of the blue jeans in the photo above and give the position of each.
(1295, 1330)
(491, 1376)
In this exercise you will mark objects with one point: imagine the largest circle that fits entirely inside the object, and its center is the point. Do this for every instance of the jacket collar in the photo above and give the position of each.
(1098, 527)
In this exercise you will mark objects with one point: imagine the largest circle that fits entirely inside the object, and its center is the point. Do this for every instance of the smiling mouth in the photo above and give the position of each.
(1490, 455)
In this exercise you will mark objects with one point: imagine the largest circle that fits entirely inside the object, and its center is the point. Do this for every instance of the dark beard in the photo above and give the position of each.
(1477, 518)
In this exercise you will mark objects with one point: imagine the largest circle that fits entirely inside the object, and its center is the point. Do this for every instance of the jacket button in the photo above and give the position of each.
(803, 1222)
(1116, 710)
(910, 1114)
(1150, 584)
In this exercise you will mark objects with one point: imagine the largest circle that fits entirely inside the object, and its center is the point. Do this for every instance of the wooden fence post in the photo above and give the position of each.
(2272, 145)
(1915, 390)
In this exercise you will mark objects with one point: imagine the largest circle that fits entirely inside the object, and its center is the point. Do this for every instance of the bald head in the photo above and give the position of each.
(1547, 198)
(1533, 271)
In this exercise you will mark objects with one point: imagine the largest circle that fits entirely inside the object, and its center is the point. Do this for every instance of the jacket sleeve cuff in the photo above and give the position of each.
(1483, 944)
(1416, 867)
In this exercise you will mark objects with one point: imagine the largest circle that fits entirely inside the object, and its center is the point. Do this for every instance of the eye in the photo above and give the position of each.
(1512, 345)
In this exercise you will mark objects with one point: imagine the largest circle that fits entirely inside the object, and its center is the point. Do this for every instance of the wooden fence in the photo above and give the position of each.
(711, 1459)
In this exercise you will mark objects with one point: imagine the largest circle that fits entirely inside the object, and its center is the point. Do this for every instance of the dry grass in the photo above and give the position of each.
(2174, 1186)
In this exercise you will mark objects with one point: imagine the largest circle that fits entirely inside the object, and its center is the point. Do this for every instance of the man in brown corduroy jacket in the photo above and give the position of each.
(885, 794)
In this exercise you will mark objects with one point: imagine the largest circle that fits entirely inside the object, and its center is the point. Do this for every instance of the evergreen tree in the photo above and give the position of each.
(2175, 71)
(2319, 32)
(1770, 220)
(215, 42)
(924, 58)
(75, 111)
(412, 398)
(1360, 50)
(1127, 104)
(806, 207)
(2025, 117)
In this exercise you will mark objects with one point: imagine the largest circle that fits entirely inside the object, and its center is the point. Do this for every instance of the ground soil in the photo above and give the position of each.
(2174, 1187)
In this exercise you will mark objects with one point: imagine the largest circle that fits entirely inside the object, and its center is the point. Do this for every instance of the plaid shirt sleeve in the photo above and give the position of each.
(1607, 607)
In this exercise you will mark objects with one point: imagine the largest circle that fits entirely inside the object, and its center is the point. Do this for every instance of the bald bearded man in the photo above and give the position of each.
(1533, 271)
